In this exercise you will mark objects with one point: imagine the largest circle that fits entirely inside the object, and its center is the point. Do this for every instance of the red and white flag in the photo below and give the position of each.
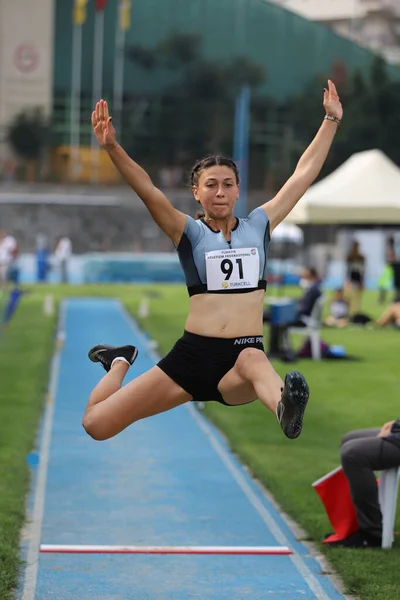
(334, 491)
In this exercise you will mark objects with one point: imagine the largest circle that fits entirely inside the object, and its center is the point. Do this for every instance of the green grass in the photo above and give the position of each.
(344, 396)
(25, 351)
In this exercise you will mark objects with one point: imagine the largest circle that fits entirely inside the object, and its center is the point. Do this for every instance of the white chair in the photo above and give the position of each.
(388, 488)
(312, 328)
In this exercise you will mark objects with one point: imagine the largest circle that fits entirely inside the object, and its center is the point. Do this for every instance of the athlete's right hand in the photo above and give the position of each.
(102, 126)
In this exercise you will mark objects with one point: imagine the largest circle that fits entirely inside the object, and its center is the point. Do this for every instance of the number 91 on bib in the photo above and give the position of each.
(232, 269)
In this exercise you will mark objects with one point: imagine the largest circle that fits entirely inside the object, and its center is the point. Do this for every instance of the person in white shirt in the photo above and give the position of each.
(63, 253)
(8, 256)
(338, 310)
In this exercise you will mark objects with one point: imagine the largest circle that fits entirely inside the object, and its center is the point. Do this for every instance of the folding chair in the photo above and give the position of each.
(388, 488)
(312, 328)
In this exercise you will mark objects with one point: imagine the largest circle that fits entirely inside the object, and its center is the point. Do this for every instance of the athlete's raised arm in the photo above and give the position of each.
(170, 220)
(310, 163)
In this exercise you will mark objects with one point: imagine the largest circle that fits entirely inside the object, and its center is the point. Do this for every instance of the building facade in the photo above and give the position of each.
(374, 24)
(36, 42)
(26, 59)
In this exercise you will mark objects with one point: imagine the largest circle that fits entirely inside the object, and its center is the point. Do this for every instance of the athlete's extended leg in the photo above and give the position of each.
(111, 407)
(253, 377)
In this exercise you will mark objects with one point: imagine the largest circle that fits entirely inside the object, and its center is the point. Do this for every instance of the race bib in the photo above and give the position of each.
(232, 269)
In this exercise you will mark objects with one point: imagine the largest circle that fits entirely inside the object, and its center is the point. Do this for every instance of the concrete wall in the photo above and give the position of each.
(111, 219)
(26, 58)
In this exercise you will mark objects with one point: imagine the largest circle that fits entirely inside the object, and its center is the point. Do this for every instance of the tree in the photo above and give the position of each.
(28, 136)
(371, 116)
(194, 115)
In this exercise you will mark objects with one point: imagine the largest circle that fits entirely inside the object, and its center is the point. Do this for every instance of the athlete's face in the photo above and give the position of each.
(217, 191)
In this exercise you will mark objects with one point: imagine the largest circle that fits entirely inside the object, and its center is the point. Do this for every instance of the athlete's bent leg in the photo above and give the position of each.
(253, 377)
(111, 408)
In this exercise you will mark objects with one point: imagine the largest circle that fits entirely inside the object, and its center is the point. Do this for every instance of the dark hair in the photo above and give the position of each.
(313, 272)
(212, 161)
(354, 251)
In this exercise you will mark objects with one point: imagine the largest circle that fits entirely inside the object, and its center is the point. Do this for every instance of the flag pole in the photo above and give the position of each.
(119, 69)
(97, 86)
(75, 109)
(124, 17)
(241, 146)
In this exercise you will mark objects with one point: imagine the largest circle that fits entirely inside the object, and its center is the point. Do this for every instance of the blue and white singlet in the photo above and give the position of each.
(213, 265)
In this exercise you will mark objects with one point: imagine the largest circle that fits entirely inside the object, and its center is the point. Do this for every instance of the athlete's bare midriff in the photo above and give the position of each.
(226, 315)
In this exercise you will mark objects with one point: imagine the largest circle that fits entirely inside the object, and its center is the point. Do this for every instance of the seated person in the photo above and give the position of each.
(338, 310)
(311, 283)
(363, 452)
(390, 316)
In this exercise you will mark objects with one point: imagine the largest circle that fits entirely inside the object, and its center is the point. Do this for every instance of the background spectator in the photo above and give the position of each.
(8, 257)
(355, 277)
(62, 254)
(338, 310)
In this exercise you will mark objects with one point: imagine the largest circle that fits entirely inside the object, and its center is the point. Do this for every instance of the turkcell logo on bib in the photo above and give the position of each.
(235, 284)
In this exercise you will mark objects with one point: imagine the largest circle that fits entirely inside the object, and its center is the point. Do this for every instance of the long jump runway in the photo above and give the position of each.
(168, 485)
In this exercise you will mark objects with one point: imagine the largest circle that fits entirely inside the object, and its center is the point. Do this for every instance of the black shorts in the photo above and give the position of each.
(356, 278)
(198, 363)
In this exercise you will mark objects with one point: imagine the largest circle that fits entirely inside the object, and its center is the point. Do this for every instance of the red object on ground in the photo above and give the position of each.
(334, 491)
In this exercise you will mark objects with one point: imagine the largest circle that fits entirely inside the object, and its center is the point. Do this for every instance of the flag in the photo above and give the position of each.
(80, 12)
(101, 4)
(15, 296)
(334, 491)
(125, 14)
(119, 54)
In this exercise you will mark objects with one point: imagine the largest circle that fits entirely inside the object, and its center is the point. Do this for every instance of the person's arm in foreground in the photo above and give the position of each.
(310, 163)
(171, 221)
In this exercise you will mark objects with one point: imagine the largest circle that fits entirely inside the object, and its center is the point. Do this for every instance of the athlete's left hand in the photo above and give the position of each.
(332, 102)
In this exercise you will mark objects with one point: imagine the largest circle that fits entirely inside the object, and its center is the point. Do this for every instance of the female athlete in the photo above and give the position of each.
(220, 355)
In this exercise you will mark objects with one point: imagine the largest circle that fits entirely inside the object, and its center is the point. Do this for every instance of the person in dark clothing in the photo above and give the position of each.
(355, 277)
(311, 282)
(363, 452)
(393, 260)
(279, 340)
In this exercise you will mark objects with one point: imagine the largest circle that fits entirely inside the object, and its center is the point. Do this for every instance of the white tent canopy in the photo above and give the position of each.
(364, 189)
(288, 233)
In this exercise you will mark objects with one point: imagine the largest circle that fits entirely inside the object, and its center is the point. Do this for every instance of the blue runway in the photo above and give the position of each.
(168, 480)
